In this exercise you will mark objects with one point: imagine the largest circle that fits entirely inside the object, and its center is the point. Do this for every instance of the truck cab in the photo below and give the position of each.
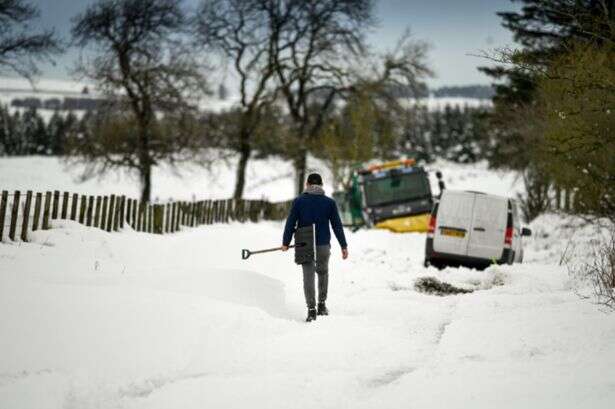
(393, 195)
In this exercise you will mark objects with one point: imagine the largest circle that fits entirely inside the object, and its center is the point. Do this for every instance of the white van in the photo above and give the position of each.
(474, 229)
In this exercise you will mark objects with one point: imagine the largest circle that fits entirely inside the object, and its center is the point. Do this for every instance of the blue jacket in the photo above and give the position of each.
(316, 209)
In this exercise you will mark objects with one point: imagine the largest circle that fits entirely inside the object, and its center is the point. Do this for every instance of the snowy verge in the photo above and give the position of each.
(132, 320)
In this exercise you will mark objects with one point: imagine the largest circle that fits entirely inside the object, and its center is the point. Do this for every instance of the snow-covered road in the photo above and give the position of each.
(96, 320)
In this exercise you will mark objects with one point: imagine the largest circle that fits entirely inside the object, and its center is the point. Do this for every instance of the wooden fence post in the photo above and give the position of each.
(231, 214)
(220, 211)
(64, 214)
(123, 212)
(3, 203)
(89, 211)
(117, 214)
(143, 218)
(143, 221)
(83, 201)
(56, 204)
(134, 214)
(155, 212)
(245, 211)
(150, 218)
(192, 213)
(195, 214)
(111, 210)
(230, 210)
(140, 217)
(214, 211)
(203, 212)
(37, 212)
(129, 212)
(167, 221)
(159, 219)
(14, 213)
(73, 207)
(46, 210)
(97, 211)
(175, 218)
(103, 215)
(26, 216)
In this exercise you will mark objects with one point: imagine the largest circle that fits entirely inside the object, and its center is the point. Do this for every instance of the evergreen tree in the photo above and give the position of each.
(542, 28)
(34, 135)
(5, 125)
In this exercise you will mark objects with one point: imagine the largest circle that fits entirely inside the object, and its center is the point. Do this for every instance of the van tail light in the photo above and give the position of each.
(508, 238)
(432, 226)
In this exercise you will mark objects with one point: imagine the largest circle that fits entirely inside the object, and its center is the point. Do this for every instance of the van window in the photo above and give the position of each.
(396, 188)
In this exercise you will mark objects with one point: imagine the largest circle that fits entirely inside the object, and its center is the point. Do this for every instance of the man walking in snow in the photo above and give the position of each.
(313, 207)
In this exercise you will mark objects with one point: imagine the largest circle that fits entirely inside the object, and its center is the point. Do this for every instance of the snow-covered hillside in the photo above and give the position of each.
(90, 319)
(46, 88)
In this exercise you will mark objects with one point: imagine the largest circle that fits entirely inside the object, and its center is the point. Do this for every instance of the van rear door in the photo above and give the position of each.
(453, 222)
(488, 227)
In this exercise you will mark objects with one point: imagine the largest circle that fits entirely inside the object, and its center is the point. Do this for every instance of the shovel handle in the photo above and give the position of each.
(245, 253)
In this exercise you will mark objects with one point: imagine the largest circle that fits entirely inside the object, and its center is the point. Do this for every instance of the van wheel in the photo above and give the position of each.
(426, 263)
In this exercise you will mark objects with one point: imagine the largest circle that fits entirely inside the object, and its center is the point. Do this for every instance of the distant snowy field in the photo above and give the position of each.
(45, 88)
(269, 179)
(90, 319)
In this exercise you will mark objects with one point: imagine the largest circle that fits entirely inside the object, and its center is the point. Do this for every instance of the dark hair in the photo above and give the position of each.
(314, 179)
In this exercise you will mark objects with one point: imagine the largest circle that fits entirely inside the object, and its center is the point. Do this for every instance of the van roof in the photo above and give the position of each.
(477, 193)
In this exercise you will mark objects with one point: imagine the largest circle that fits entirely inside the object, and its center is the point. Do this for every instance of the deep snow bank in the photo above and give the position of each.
(130, 320)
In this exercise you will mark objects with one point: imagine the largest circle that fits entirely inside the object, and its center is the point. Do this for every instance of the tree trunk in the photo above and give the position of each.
(145, 171)
(145, 163)
(300, 164)
(244, 157)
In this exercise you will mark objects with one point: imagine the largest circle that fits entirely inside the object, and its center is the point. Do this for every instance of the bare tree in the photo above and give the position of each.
(239, 31)
(368, 124)
(138, 58)
(313, 42)
(21, 47)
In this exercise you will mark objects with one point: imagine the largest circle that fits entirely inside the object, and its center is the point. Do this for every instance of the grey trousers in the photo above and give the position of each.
(320, 268)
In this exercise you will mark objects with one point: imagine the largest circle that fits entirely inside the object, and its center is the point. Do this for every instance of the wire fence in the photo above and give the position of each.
(25, 212)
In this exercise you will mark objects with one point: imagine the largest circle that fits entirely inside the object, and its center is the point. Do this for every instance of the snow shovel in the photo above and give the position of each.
(245, 253)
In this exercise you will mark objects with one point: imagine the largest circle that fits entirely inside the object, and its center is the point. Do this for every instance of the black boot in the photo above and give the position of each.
(311, 315)
(322, 309)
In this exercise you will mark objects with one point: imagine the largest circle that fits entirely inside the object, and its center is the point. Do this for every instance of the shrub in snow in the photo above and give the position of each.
(599, 271)
(432, 285)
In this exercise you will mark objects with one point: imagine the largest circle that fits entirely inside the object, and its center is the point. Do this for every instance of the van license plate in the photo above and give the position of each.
(453, 233)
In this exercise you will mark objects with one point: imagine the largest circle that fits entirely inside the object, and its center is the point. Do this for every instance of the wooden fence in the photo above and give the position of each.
(24, 212)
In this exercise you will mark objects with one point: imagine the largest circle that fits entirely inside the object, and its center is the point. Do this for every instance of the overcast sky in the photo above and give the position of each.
(454, 28)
